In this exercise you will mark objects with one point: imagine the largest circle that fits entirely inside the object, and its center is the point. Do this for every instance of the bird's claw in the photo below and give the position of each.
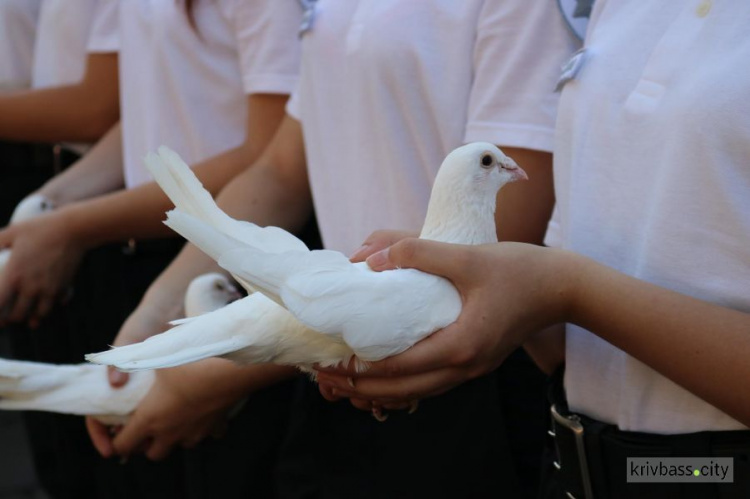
(378, 414)
(413, 406)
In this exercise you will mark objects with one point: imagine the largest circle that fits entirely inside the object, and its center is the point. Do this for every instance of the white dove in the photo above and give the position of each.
(209, 292)
(337, 308)
(83, 389)
(29, 207)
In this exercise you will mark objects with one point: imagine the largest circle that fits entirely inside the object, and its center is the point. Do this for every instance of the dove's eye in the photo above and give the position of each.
(487, 161)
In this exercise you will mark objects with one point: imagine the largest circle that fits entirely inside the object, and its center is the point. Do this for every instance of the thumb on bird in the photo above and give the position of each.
(117, 379)
(443, 259)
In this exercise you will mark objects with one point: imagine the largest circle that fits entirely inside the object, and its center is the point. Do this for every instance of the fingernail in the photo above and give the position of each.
(359, 250)
(378, 259)
(117, 377)
(350, 380)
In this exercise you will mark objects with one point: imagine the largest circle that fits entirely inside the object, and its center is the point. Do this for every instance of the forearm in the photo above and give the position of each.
(700, 346)
(80, 112)
(98, 172)
(523, 212)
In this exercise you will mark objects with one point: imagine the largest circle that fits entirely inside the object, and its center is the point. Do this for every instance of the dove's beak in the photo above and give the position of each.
(516, 172)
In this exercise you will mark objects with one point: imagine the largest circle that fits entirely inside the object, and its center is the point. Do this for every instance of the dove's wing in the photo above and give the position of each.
(377, 314)
(80, 389)
(181, 185)
(251, 330)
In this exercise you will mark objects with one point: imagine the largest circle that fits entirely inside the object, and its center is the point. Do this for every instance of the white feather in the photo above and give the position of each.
(83, 389)
(353, 309)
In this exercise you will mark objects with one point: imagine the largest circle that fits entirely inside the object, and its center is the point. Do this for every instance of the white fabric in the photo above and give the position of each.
(65, 34)
(388, 88)
(652, 178)
(17, 34)
(187, 88)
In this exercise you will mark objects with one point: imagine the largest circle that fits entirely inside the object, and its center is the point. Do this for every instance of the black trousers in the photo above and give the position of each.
(465, 443)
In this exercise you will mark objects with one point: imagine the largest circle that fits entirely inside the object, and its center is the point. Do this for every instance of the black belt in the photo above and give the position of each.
(592, 456)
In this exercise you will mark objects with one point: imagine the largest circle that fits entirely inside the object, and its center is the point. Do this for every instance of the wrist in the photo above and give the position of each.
(78, 226)
(571, 270)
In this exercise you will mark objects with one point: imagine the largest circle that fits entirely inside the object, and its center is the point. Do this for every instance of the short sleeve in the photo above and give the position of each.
(292, 105)
(553, 237)
(519, 50)
(269, 47)
(104, 34)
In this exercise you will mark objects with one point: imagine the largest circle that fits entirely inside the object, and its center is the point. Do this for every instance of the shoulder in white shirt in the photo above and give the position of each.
(187, 86)
(17, 34)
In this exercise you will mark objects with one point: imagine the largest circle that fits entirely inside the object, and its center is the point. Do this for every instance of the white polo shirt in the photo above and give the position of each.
(187, 88)
(389, 87)
(652, 177)
(66, 31)
(17, 33)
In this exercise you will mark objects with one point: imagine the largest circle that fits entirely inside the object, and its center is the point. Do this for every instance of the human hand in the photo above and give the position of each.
(378, 241)
(182, 408)
(44, 258)
(509, 291)
(151, 317)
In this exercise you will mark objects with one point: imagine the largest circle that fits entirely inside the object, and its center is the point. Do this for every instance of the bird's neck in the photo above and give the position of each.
(455, 219)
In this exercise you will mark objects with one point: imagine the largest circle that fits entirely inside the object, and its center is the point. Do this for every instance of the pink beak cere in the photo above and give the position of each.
(516, 171)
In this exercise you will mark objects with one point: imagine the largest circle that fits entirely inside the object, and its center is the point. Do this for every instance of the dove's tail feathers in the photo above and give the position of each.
(187, 193)
(264, 272)
(23, 381)
(207, 238)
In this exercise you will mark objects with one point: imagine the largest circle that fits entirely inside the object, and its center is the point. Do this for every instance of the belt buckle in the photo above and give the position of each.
(573, 423)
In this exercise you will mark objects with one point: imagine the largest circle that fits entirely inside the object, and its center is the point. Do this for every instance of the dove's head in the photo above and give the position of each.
(462, 204)
(209, 292)
(480, 168)
(30, 207)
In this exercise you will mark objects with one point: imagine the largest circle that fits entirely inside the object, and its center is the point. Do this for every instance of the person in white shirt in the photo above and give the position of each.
(73, 94)
(58, 81)
(387, 89)
(210, 79)
(18, 19)
(652, 263)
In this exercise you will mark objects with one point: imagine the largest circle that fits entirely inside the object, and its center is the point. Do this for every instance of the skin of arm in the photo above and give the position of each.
(83, 111)
(511, 290)
(51, 246)
(274, 191)
(98, 172)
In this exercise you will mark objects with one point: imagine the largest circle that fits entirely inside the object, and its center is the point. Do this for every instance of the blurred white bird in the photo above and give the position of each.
(209, 292)
(29, 207)
(337, 308)
(84, 389)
